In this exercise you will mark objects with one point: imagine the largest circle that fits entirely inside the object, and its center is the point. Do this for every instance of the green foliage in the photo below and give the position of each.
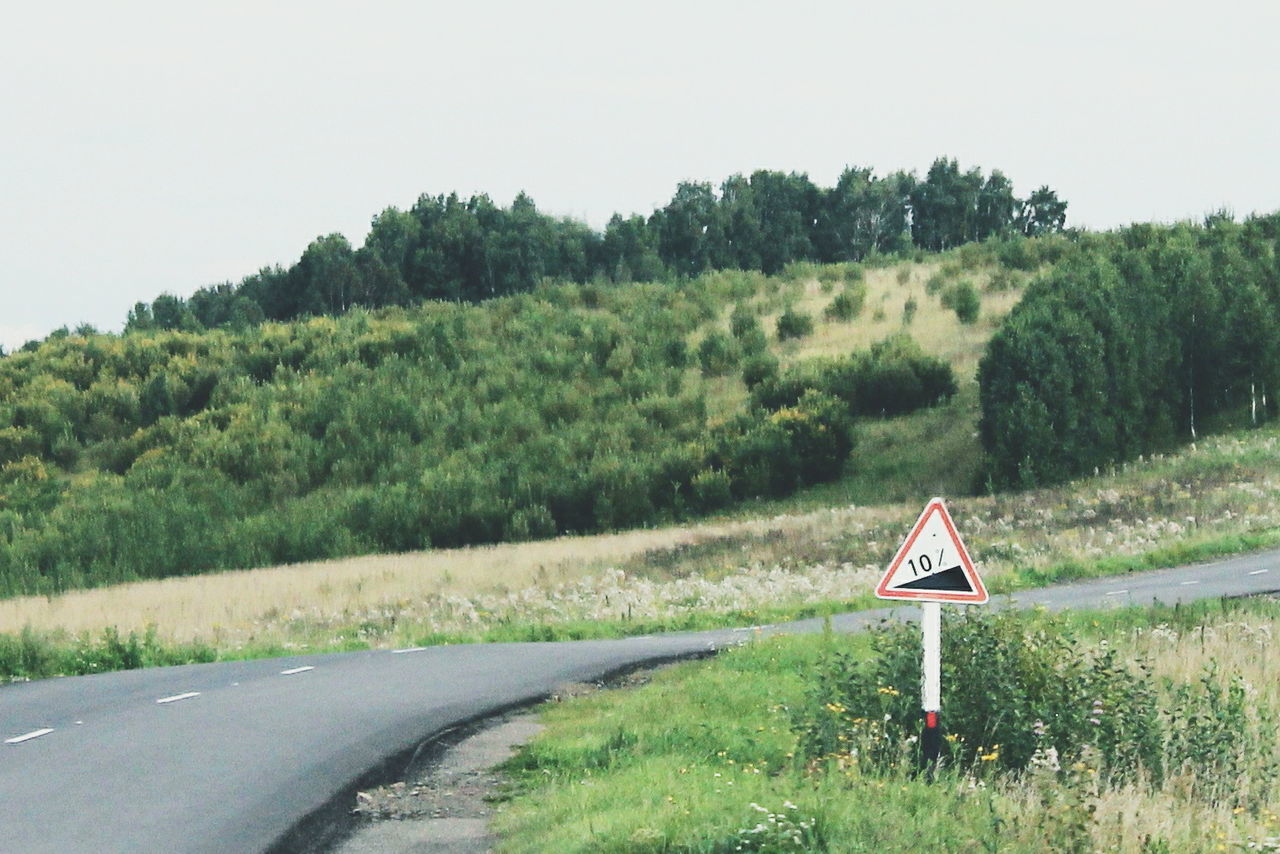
(1130, 343)
(892, 378)
(758, 368)
(794, 323)
(1003, 280)
(168, 452)
(34, 655)
(793, 446)
(455, 249)
(1027, 692)
(909, 309)
(962, 298)
(717, 354)
(847, 304)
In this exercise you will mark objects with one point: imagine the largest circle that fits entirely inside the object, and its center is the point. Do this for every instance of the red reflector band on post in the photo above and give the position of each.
(931, 720)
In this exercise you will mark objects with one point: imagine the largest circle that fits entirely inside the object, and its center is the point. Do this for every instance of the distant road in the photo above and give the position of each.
(231, 757)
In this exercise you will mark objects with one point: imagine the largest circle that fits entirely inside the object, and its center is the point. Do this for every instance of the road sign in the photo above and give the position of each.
(933, 565)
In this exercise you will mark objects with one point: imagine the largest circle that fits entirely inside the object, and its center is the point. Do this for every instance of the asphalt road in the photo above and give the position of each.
(261, 755)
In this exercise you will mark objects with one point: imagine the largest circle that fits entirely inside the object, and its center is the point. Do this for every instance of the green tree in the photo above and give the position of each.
(1042, 213)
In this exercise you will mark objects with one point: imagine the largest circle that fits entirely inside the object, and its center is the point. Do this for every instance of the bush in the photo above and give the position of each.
(742, 321)
(963, 299)
(717, 354)
(758, 368)
(894, 377)
(710, 490)
(847, 304)
(794, 324)
(791, 447)
(1015, 690)
(1024, 692)
(909, 311)
(1003, 280)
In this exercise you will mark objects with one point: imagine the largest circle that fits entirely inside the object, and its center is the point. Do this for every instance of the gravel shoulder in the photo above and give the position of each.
(444, 806)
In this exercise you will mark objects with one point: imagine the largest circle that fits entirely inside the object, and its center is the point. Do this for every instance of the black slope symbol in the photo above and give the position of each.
(953, 579)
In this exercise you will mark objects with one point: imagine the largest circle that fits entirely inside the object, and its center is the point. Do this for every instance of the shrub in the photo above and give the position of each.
(792, 446)
(742, 320)
(1014, 689)
(894, 377)
(1015, 253)
(847, 304)
(758, 368)
(717, 354)
(909, 311)
(710, 490)
(963, 299)
(1003, 280)
(829, 275)
(794, 324)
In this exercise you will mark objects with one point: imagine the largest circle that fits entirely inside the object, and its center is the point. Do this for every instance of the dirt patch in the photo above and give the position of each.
(444, 808)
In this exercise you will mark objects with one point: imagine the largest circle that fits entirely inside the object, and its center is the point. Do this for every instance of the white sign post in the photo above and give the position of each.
(932, 566)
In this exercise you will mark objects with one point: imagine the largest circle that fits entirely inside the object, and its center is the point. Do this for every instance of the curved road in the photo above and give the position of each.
(262, 755)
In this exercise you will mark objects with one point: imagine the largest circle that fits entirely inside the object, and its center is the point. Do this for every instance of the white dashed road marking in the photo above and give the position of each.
(18, 739)
(410, 649)
(1117, 592)
(1185, 583)
(176, 697)
(294, 670)
(1259, 571)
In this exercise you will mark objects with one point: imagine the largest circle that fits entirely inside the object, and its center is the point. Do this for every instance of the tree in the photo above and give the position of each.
(997, 210)
(787, 210)
(325, 280)
(1042, 213)
(691, 236)
(171, 312)
(629, 250)
(944, 207)
(742, 222)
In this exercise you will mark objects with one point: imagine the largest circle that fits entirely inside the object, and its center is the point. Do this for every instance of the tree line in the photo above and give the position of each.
(1136, 341)
(455, 249)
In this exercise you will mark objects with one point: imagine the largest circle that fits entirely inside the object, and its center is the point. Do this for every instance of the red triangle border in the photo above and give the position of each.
(979, 594)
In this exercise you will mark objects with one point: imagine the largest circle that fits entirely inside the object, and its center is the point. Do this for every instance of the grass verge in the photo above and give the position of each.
(716, 756)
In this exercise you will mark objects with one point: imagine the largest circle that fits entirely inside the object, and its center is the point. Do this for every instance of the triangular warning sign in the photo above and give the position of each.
(933, 565)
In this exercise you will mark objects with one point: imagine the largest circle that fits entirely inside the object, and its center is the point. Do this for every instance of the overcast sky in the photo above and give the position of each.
(152, 147)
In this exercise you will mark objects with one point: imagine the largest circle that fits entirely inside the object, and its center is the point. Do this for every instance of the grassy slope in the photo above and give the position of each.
(679, 764)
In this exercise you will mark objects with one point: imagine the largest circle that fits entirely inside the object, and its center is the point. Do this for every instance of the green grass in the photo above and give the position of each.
(681, 764)
(909, 458)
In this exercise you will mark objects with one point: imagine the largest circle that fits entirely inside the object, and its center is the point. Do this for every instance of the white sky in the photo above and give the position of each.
(151, 147)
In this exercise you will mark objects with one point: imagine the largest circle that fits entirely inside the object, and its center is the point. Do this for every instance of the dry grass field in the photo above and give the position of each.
(937, 329)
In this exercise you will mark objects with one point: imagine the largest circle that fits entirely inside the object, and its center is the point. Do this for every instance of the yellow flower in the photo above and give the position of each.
(990, 757)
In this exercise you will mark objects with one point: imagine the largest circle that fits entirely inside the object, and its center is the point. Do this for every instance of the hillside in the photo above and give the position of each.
(575, 408)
